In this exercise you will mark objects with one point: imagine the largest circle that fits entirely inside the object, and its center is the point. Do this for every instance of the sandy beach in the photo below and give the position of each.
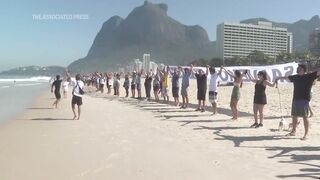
(124, 138)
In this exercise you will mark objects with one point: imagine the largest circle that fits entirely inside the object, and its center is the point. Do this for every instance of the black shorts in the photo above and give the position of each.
(175, 92)
(58, 95)
(76, 100)
(201, 95)
(101, 86)
(156, 88)
(133, 87)
(260, 99)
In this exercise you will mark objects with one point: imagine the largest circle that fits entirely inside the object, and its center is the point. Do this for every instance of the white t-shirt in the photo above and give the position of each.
(76, 85)
(213, 86)
(65, 86)
(102, 81)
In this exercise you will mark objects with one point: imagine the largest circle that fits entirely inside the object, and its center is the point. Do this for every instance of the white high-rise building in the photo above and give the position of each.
(238, 39)
(137, 65)
(153, 67)
(146, 62)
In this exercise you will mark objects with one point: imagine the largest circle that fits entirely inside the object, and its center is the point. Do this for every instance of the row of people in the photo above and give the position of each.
(301, 96)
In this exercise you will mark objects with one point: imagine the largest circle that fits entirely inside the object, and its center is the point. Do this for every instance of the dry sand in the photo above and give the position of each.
(123, 138)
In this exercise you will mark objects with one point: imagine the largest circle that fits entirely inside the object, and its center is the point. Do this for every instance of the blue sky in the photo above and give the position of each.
(25, 41)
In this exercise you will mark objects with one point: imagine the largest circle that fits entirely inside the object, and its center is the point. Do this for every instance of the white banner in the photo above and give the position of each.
(273, 71)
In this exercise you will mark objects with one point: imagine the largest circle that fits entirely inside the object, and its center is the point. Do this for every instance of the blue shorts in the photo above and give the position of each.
(300, 108)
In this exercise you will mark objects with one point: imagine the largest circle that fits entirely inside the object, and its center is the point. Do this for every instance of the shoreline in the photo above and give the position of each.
(23, 108)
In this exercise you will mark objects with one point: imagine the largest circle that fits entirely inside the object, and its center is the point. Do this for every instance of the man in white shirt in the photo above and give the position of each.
(77, 93)
(213, 88)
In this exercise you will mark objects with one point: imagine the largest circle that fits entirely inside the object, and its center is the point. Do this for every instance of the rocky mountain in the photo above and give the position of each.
(35, 71)
(147, 29)
(300, 30)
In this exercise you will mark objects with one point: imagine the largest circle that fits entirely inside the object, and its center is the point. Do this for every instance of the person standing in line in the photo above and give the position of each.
(102, 82)
(302, 83)
(175, 85)
(235, 95)
(260, 98)
(201, 88)
(184, 86)
(116, 84)
(126, 84)
(57, 85)
(133, 84)
(213, 88)
(138, 83)
(108, 76)
(165, 77)
(156, 86)
(147, 84)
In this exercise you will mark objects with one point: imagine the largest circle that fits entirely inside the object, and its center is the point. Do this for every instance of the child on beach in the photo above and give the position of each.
(235, 96)
(260, 98)
(213, 88)
(301, 97)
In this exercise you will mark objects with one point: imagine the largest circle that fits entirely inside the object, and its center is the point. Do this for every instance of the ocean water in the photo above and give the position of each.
(18, 92)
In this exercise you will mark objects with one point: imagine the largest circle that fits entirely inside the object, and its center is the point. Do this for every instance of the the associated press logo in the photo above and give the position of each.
(60, 17)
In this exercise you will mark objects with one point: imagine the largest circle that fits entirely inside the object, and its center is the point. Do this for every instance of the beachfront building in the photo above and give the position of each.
(314, 42)
(153, 67)
(137, 65)
(146, 62)
(239, 39)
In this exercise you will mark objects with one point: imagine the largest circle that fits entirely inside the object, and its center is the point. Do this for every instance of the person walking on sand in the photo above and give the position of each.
(260, 98)
(235, 96)
(184, 85)
(302, 84)
(77, 93)
(213, 88)
(201, 88)
(57, 86)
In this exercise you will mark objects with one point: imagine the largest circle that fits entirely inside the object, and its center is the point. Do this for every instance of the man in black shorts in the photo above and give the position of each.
(302, 84)
(57, 85)
(202, 88)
